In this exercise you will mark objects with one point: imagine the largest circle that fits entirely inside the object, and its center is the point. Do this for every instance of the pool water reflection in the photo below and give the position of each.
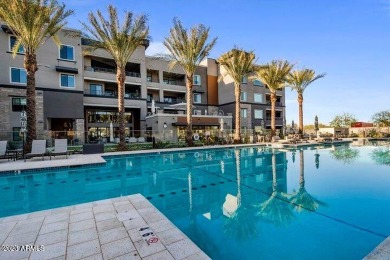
(325, 202)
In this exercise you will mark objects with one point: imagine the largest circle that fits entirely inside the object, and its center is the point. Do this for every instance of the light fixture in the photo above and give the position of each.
(165, 125)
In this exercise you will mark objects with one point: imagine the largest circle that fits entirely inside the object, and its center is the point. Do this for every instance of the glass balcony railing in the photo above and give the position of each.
(111, 71)
(111, 94)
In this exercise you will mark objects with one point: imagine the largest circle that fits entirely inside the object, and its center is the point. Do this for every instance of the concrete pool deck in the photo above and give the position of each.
(118, 228)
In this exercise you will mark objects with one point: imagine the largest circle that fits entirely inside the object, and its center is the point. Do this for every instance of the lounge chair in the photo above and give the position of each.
(60, 148)
(141, 139)
(38, 149)
(132, 140)
(3, 150)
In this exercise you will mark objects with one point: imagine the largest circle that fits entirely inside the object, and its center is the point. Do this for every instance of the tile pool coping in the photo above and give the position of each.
(103, 229)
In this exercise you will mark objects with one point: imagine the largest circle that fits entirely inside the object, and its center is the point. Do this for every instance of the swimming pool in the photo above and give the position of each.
(326, 202)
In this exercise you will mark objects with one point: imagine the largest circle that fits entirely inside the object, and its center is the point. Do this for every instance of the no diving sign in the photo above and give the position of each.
(148, 235)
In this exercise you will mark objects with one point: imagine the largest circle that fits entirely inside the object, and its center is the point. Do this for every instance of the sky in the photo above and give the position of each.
(349, 40)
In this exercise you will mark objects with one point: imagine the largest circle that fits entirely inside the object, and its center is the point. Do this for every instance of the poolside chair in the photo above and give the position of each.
(38, 149)
(132, 140)
(60, 148)
(141, 139)
(3, 150)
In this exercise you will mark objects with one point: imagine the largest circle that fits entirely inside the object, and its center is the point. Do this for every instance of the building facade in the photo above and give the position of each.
(77, 94)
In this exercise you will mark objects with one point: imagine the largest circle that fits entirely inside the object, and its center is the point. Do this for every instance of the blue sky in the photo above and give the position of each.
(349, 40)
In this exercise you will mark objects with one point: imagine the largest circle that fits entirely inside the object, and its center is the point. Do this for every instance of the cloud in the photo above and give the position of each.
(156, 48)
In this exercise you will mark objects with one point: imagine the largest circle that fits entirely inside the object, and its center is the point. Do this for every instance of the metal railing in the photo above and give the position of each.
(111, 71)
(110, 94)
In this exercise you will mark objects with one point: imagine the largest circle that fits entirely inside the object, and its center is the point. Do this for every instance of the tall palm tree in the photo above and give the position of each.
(274, 76)
(301, 199)
(299, 80)
(32, 22)
(120, 41)
(188, 47)
(238, 64)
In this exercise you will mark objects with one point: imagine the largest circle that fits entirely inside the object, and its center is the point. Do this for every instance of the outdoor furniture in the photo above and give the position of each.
(141, 139)
(38, 149)
(60, 148)
(3, 150)
(14, 154)
(93, 148)
(132, 140)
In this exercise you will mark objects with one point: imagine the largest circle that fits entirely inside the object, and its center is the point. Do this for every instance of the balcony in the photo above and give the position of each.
(111, 71)
(278, 104)
(110, 94)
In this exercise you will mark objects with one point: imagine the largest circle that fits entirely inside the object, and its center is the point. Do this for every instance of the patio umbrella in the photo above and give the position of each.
(153, 107)
(111, 133)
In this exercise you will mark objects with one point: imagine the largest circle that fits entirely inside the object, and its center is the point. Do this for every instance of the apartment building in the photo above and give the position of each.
(77, 93)
(255, 102)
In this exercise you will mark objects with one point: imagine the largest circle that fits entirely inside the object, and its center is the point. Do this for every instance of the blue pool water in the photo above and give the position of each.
(253, 203)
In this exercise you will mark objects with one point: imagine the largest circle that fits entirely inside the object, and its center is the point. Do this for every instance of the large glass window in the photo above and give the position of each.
(16, 134)
(18, 104)
(244, 96)
(67, 81)
(18, 76)
(258, 98)
(197, 80)
(66, 52)
(244, 113)
(96, 89)
(107, 117)
(12, 42)
(258, 114)
(197, 98)
(257, 82)
(244, 80)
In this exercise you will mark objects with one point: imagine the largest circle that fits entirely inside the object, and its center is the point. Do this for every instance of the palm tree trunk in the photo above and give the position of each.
(274, 177)
(301, 169)
(237, 93)
(189, 84)
(238, 173)
(273, 103)
(120, 79)
(31, 66)
(300, 107)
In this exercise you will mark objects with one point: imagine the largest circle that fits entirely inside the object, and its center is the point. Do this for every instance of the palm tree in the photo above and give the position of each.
(277, 207)
(188, 48)
(301, 199)
(241, 224)
(238, 64)
(32, 22)
(120, 41)
(274, 76)
(299, 80)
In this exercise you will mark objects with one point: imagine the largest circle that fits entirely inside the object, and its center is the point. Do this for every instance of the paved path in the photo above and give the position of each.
(105, 229)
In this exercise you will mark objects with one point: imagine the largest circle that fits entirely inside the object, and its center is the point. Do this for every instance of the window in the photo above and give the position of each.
(16, 134)
(244, 113)
(12, 42)
(244, 96)
(244, 80)
(197, 98)
(197, 80)
(149, 77)
(96, 89)
(67, 81)
(18, 76)
(18, 104)
(258, 114)
(258, 98)
(257, 82)
(66, 52)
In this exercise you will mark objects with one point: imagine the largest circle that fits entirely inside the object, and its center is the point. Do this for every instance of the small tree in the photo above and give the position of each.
(316, 128)
(382, 119)
(343, 120)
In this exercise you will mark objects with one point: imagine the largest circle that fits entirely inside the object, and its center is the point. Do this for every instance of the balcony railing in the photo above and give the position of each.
(278, 104)
(276, 118)
(110, 94)
(174, 100)
(111, 71)
(150, 79)
(174, 82)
